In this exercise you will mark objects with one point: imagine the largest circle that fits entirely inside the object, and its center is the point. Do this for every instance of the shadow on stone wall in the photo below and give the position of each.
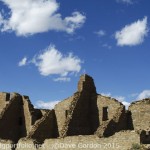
(129, 120)
(94, 114)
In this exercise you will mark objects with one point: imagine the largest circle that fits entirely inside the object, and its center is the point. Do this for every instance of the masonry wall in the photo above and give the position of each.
(61, 112)
(87, 114)
(80, 124)
(44, 128)
(29, 114)
(140, 113)
(78, 120)
(106, 102)
(12, 122)
(86, 83)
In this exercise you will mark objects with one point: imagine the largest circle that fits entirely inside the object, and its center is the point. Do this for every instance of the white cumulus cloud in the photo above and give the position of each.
(144, 94)
(46, 105)
(28, 17)
(132, 34)
(51, 61)
(23, 62)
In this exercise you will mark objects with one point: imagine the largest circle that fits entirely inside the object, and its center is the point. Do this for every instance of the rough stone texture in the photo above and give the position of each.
(4, 99)
(119, 141)
(84, 117)
(86, 83)
(46, 127)
(115, 124)
(82, 113)
(61, 112)
(75, 118)
(9, 119)
(17, 117)
(140, 111)
(112, 105)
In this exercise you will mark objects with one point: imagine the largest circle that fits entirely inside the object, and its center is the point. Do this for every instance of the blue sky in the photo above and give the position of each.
(47, 45)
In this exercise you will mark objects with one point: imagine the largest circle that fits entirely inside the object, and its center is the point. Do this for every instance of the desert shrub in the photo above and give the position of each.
(136, 146)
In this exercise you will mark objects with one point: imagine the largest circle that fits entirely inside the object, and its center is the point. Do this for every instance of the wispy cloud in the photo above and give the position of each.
(28, 17)
(100, 33)
(62, 79)
(132, 34)
(23, 62)
(46, 105)
(107, 46)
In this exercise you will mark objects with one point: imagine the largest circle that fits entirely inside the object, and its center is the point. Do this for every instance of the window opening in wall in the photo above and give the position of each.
(105, 114)
(145, 137)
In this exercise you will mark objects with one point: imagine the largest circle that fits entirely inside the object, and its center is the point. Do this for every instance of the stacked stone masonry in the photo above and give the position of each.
(86, 117)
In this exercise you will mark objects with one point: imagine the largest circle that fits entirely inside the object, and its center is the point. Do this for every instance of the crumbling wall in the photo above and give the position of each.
(80, 122)
(11, 121)
(140, 113)
(115, 124)
(61, 110)
(69, 115)
(46, 127)
(29, 113)
(106, 102)
(77, 115)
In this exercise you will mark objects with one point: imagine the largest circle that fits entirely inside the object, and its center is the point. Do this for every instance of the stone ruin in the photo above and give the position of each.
(85, 116)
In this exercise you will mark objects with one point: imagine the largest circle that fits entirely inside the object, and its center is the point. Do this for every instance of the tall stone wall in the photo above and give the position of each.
(61, 110)
(80, 122)
(17, 116)
(140, 113)
(29, 113)
(73, 113)
(11, 120)
(113, 125)
(83, 113)
(112, 106)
